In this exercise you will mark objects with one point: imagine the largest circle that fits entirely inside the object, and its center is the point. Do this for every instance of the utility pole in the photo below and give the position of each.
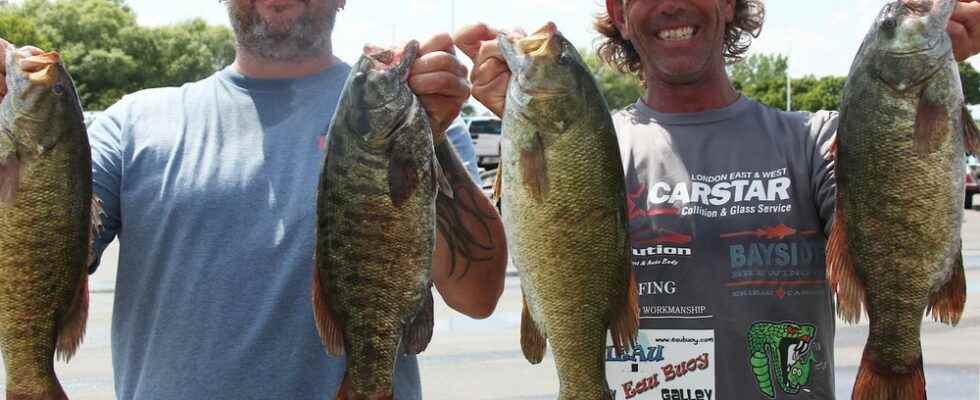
(789, 81)
(452, 16)
(789, 92)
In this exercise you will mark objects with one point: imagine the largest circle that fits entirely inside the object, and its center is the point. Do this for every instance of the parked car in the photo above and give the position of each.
(972, 180)
(485, 132)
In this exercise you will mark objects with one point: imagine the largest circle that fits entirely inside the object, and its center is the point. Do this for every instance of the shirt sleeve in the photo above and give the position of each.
(461, 140)
(105, 138)
(823, 129)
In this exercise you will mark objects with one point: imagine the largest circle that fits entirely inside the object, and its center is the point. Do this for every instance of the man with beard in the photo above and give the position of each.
(211, 188)
(730, 202)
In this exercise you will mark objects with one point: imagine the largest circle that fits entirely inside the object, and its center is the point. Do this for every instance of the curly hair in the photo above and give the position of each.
(620, 53)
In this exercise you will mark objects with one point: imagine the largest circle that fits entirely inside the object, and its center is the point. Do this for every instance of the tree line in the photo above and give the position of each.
(761, 77)
(109, 55)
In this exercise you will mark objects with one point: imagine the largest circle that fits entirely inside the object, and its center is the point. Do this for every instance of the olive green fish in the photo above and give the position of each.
(46, 212)
(895, 245)
(563, 199)
(376, 225)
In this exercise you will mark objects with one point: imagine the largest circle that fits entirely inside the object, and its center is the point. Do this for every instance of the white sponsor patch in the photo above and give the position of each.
(665, 364)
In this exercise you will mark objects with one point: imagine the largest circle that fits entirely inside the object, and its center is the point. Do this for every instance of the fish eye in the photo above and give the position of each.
(58, 89)
(360, 77)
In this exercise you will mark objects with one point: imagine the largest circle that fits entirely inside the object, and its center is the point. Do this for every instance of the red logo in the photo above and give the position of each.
(637, 212)
(661, 236)
(777, 232)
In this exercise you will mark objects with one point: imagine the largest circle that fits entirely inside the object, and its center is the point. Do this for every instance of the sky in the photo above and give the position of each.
(819, 37)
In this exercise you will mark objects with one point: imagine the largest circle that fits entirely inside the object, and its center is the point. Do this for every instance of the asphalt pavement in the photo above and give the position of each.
(481, 359)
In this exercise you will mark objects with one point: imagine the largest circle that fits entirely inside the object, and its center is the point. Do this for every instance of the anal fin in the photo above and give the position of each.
(533, 342)
(625, 319)
(841, 274)
(71, 326)
(947, 304)
(326, 324)
(418, 334)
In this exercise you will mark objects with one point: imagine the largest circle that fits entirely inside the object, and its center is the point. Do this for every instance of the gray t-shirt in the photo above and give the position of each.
(729, 214)
(211, 189)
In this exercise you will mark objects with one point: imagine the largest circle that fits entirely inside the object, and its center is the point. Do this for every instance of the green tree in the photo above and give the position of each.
(18, 29)
(108, 54)
(970, 79)
(813, 94)
(619, 89)
(759, 69)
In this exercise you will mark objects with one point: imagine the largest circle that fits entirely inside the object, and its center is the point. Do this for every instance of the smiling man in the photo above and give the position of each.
(730, 205)
(211, 189)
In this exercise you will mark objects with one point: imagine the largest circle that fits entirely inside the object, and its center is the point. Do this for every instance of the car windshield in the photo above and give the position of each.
(488, 126)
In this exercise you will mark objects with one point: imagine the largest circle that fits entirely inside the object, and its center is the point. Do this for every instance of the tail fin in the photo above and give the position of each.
(877, 383)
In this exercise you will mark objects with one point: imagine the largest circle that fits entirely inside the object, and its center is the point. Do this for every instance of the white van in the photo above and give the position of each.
(485, 132)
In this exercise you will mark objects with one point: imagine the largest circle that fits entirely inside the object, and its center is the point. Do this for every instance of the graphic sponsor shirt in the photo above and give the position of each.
(729, 214)
(211, 189)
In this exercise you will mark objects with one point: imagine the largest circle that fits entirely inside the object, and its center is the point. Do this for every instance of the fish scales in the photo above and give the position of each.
(376, 228)
(563, 203)
(895, 244)
(47, 224)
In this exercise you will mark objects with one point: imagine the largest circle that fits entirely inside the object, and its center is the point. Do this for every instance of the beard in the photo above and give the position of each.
(300, 38)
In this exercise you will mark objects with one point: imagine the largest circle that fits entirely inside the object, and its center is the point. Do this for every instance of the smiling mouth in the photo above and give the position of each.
(677, 34)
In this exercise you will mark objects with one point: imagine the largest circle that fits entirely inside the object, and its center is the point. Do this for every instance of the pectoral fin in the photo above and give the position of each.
(9, 178)
(403, 179)
(931, 126)
(534, 169)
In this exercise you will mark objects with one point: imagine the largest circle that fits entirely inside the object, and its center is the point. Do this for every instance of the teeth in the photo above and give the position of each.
(676, 34)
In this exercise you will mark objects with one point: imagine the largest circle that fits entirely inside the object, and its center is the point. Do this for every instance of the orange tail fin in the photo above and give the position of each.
(877, 383)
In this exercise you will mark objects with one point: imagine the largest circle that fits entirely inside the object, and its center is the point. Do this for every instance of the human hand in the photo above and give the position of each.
(439, 81)
(964, 29)
(4, 45)
(490, 74)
